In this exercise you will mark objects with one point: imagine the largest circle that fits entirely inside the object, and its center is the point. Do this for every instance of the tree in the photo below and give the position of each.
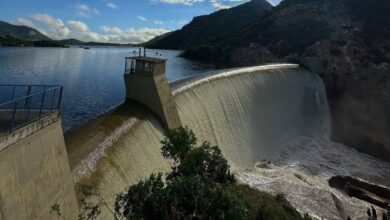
(198, 186)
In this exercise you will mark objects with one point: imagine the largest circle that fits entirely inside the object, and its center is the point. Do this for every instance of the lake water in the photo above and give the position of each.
(92, 79)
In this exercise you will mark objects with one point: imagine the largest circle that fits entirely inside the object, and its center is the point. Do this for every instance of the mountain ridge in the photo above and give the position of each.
(21, 32)
(207, 27)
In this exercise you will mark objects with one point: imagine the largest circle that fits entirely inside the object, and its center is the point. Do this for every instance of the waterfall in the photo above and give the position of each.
(276, 112)
(249, 112)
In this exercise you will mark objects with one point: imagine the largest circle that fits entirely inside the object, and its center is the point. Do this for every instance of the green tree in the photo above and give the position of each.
(198, 186)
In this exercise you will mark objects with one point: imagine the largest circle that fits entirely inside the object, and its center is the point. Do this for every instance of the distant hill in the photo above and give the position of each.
(207, 27)
(82, 43)
(16, 35)
(21, 32)
(72, 42)
(352, 37)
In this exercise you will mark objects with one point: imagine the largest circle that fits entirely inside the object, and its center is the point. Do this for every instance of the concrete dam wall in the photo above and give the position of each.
(35, 173)
(247, 112)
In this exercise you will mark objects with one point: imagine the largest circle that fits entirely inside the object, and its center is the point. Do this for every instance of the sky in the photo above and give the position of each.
(116, 21)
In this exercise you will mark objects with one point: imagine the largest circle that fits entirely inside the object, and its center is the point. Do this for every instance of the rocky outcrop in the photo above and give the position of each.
(374, 194)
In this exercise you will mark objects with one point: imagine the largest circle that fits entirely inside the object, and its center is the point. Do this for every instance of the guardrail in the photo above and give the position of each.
(23, 104)
(129, 65)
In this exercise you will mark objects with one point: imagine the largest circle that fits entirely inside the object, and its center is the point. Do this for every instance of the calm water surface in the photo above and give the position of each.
(92, 79)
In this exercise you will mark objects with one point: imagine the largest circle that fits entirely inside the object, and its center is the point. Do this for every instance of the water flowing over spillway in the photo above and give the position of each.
(274, 112)
(248, 112)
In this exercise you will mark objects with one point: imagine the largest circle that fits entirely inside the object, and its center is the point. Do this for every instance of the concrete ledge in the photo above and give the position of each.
(13, 137)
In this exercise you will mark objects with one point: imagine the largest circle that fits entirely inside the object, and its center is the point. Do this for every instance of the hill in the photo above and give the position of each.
(207, 27)
(21, 32)
(82, 43)
(352, 37)
(72, 42)
(15, 36)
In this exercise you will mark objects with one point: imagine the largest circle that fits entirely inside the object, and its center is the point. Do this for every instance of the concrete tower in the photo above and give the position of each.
(146, 83)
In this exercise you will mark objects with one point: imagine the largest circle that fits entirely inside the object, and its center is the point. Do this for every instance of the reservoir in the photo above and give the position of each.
(92, 79)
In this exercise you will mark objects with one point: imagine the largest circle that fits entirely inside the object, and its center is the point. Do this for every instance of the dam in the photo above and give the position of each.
(277, 112)
(228, 108)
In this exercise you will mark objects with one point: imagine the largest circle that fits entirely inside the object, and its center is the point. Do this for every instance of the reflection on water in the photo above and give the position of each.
(92, 79)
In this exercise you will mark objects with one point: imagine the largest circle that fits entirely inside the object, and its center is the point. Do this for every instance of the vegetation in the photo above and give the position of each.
(297, 28)
(55, 209)
(9, 41)
(202, 29)
(21, 32)
(199, 186)
(375, 17)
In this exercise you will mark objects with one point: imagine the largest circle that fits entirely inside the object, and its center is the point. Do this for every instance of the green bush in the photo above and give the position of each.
(198, 186)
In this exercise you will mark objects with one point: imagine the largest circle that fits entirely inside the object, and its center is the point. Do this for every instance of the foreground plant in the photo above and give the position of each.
(199, 185)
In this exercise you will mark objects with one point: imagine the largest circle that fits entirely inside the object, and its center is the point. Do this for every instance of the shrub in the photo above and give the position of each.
(198, 186)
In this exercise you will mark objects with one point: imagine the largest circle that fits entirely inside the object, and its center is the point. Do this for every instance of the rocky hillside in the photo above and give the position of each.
(205, 28)
(21, 32)
(352, 37)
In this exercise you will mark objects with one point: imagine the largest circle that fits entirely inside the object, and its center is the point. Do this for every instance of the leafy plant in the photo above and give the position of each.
(55, 208)
(198, 186)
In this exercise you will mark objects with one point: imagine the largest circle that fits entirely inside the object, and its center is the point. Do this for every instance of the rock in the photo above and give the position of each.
(369, 192)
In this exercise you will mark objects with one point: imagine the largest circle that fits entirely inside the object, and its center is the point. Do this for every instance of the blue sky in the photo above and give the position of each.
(120, 21)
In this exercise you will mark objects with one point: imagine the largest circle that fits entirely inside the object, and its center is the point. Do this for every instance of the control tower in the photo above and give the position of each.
(147, 84)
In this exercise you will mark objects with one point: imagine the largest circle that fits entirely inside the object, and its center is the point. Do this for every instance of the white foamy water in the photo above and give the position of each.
(302, 172)
(88, 165)
(276, 112)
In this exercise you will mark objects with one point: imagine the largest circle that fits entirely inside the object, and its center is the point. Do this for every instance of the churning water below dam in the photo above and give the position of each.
(275, 112)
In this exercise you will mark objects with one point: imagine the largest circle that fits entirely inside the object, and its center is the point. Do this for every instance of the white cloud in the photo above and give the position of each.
(25, 22)
(77, 26)
(112, 5)
(141, 18)
(111, 30)
(158, 22)
(86, 11)
(183, 2)
(274, 2)
(130, 35)
(218, 4)
(55, 28)
(221, 4)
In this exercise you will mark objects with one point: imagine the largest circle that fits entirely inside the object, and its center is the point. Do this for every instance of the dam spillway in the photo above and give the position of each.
(250, 113)
(245, 111)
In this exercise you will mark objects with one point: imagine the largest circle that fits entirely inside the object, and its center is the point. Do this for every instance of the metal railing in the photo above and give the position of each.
(23, 104)
(129, 65)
